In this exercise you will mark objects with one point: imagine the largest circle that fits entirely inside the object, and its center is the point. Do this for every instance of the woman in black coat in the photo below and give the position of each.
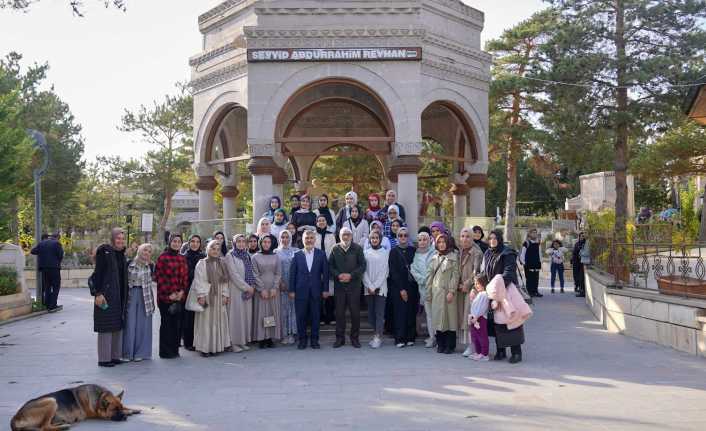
(403, 291)
(109, 285)
(501, 259)
(193, 255)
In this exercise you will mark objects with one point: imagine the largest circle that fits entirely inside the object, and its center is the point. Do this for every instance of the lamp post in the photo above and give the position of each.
(40, 143)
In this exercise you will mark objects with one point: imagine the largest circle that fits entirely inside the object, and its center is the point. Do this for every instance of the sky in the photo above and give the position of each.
(109, 60)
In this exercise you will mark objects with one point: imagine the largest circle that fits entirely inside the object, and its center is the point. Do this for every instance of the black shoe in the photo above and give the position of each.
(515, 358)
(118, 361)
(355, 343)
(538, 295)
(448, 351)
(191, 348)
(499, 356)
(315, 346)
(562, 290)
(338, 343)
(301, 346)
(552, 290)
(262, 344)
(108, 364)
(269, 343)
(580, 295)
(439, 348)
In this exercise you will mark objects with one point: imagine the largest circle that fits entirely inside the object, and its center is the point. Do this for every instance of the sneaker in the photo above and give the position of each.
(467, 352)
(376, 343)
(245, 347)
(290, 339)
(475, 356)
(429, 342)
(410, 343)
(236, 349)
(483, 358)
(400, 345)
(137, 360)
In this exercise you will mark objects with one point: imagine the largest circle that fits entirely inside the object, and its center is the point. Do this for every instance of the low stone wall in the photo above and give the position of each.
(69, 277)
(20, 303)
(671, 321)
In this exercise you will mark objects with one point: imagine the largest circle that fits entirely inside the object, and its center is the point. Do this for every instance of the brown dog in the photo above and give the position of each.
(58, 410)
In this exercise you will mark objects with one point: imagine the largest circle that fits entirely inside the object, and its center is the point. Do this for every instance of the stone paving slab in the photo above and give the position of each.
(575, 376)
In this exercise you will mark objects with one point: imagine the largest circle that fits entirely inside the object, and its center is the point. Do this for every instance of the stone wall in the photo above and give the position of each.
(671, 321)
(69, 277)
(20, 303)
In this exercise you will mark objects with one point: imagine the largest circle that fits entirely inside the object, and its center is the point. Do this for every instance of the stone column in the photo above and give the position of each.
(460, 192)
(205, 186)
(230, 194)
(279, 177)
(476, 184)
(403, 172)
(262, 169)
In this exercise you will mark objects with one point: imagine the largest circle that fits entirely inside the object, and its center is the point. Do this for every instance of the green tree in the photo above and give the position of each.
(166, 126)
(623, 56)
(514, 100)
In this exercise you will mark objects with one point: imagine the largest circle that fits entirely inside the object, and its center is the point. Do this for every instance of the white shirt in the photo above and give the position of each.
(376, 270)
(309, 255)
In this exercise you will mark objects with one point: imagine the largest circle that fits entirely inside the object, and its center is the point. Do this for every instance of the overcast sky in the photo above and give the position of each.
(111, 60)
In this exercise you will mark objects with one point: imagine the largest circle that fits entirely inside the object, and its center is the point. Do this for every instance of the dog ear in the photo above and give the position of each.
(120, 395)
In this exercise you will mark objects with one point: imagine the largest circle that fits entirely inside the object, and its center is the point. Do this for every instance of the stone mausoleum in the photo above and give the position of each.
(286, 81)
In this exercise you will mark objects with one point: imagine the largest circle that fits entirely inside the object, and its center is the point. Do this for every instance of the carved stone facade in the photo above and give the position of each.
(387, 99)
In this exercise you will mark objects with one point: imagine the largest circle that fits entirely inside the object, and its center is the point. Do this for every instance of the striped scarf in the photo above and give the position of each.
(247, 263)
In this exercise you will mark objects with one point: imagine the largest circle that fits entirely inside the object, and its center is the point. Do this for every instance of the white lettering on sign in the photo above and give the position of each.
(334, 54)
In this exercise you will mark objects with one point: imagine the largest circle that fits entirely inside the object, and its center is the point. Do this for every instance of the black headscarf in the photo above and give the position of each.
(325, 211)
(482, 244)
(224, 247)
(193, 257)
(273, 244)
(258, 244)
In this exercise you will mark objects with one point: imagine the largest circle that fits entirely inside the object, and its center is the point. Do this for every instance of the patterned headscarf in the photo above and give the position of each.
(247, 262)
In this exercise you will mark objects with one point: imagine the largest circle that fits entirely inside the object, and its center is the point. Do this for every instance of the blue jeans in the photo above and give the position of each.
(557, 268)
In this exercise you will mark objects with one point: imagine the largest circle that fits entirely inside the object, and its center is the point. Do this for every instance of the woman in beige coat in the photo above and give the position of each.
(470, 258)
(242, 290)
(442, 285)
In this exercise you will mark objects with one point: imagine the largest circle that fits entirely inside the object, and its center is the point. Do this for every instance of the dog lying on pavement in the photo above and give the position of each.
(58, 410)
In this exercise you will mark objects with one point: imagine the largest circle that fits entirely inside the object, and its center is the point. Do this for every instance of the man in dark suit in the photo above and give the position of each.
(49, 256)
(308, 282)
(347, 266)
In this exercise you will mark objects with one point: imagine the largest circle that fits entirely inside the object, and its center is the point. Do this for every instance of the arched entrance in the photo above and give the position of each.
(334, 117)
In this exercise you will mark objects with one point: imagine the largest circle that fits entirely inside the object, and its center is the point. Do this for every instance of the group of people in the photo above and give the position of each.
(303, 268)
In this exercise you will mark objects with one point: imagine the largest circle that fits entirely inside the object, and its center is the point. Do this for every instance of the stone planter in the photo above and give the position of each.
(682, 286)
(19, 303)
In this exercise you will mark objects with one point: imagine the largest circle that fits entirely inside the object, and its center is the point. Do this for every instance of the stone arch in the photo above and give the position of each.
(211, 122)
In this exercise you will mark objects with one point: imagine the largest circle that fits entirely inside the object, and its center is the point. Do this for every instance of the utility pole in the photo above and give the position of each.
(40, 143)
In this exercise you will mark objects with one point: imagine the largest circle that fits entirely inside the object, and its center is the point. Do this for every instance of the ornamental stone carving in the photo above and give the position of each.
(408, 148)
(219, 76)
(206, 183)
(408, 164)
(214, 53)
(360, 10)
(477, 180)
(261, 149)
(229, 192)
(262, 166)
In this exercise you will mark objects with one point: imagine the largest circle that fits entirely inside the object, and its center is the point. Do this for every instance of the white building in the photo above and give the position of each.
(285, 81)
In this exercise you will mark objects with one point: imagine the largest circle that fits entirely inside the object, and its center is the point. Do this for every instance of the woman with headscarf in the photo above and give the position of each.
(211, 330)
(109, 285)
(325, 241)
(442, 284)
(358, 225)
(264, 228)
(500, 259)
(137, 335)
(253, 244)
(470, 258)
(324, 210)
(303, 219)
(280, 223)
(351, 199)
(376, 225)
(478, 236)
(371, 213)
(242, 290)
(437, 228)
(375, 277)
(266, 306)
(393, 212)
(404, 291)
(285, 253)
(295, 203)
(172, 275)
(275, 204)
(395, 227)
(420, 269)
(193, 256)
(220, 236)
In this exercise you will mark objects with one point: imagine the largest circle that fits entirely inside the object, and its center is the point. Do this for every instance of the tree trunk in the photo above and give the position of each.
(621, 137)
(513, 153)
(165, 216)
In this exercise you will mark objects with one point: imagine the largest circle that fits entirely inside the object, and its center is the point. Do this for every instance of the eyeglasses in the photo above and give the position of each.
(402, 235)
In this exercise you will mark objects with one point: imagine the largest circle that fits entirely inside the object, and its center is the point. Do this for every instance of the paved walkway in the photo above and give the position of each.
(575, 377)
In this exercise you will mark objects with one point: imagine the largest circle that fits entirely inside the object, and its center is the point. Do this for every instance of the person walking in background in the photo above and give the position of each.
(377, 269)
(109, 285)
(211, 289)
(193, 256)
(580, 256)
(266, 305)
(556, 253)
(420, 270)
(49, 256)
(347, 266)
(172, 275)
(404, 291)
(242, 290)
(470, 259)
(137, 335)
(442, 288)
(285, 253)
(308, 283)
(532, 262)
(477, 320)
(325, 241)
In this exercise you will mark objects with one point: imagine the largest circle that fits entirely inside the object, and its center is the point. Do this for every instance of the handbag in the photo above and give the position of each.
(268, 322)
(192, 302)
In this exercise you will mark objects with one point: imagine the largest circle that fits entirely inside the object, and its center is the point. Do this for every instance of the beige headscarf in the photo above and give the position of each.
(215, 268)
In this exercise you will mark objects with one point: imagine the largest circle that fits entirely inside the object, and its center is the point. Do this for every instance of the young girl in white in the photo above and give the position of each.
(477, 320)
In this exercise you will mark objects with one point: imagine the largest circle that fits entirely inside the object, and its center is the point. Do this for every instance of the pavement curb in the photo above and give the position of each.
(29, 316)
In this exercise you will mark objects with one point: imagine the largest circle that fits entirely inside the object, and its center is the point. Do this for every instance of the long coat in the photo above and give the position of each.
(268, 273)
(107, 281)
(469, 267)
(211, 330)
(240, 310)
(400, 260)
(443, 279)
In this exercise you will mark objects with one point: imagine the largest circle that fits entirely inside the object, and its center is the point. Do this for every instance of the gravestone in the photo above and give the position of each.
(19, 303)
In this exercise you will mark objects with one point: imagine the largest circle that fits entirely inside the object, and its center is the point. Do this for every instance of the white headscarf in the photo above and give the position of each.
(344, 244)
(354, 195)
(396, 208)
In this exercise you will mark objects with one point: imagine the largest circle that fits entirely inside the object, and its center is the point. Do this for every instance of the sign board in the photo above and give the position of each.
(147, 221)
(261, 55)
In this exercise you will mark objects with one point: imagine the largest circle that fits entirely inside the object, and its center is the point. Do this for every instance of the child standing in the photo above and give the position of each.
(477, 320)
(556, 253)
